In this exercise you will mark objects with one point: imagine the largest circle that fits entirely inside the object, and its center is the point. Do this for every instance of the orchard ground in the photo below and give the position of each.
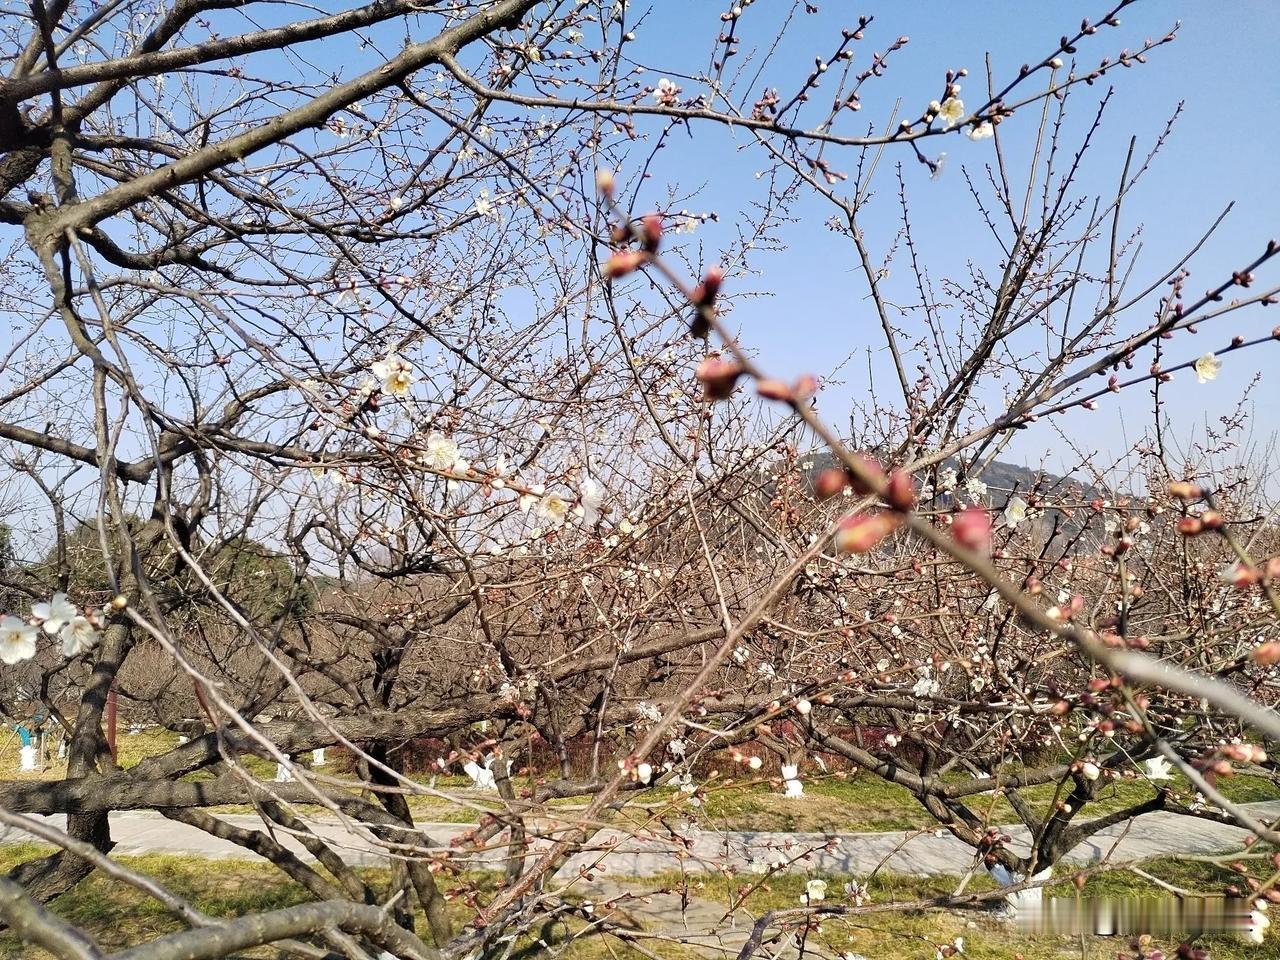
(669, 903)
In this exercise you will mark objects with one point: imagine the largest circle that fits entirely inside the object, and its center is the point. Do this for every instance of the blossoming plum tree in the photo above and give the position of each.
(392, 293)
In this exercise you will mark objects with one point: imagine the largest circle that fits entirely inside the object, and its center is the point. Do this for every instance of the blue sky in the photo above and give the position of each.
(1223, 148)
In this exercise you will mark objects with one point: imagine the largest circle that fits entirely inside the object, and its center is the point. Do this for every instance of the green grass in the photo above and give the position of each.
(910, 934)
(832, 804)
(118, 916)
(867, 804)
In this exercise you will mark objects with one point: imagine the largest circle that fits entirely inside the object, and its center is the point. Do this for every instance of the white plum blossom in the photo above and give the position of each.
(666, 94)
(55, 614)
(553, 508)
(1207, 368)
(1015, 511)
(976, 488)
(78, 635)
(483, 205)
(17, 639)
(647, 711)
(982, 131)
(527, 500)
(590, 497)
(950, 111)
(441, 453)
(926, 686)
(857, 892)
(815, 891)
(741, 655)
(644, 772)
(396, 374)
(947, 480)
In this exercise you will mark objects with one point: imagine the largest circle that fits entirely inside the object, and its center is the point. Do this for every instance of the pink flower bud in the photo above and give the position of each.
(901, 494)
(971, 528)
(871, 469)
(829, 483)
(718, 377)
(704, 294)
(772, 389)
(806, 386)
(652, 232)
(623, 262)
(862, 532)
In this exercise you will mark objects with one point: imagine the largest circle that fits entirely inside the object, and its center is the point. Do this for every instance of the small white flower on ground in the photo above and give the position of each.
(982, 131)
(553, 509)
(755, 763)
(441, 453)
(644, 772)
(815, 891)
(1015, 511)
(1207, 368)
(741, 655)
(77, 636)
(1258, 924)
(648, 711)
(950, 111)
(17, 640)
(803, 707)
(1157, 768)
(892, 739)
(54, 614)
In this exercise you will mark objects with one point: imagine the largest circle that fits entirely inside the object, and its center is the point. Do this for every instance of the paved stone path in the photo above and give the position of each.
(616, 854)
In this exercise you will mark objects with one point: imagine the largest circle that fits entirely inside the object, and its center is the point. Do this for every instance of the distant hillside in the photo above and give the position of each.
(1003, 480)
